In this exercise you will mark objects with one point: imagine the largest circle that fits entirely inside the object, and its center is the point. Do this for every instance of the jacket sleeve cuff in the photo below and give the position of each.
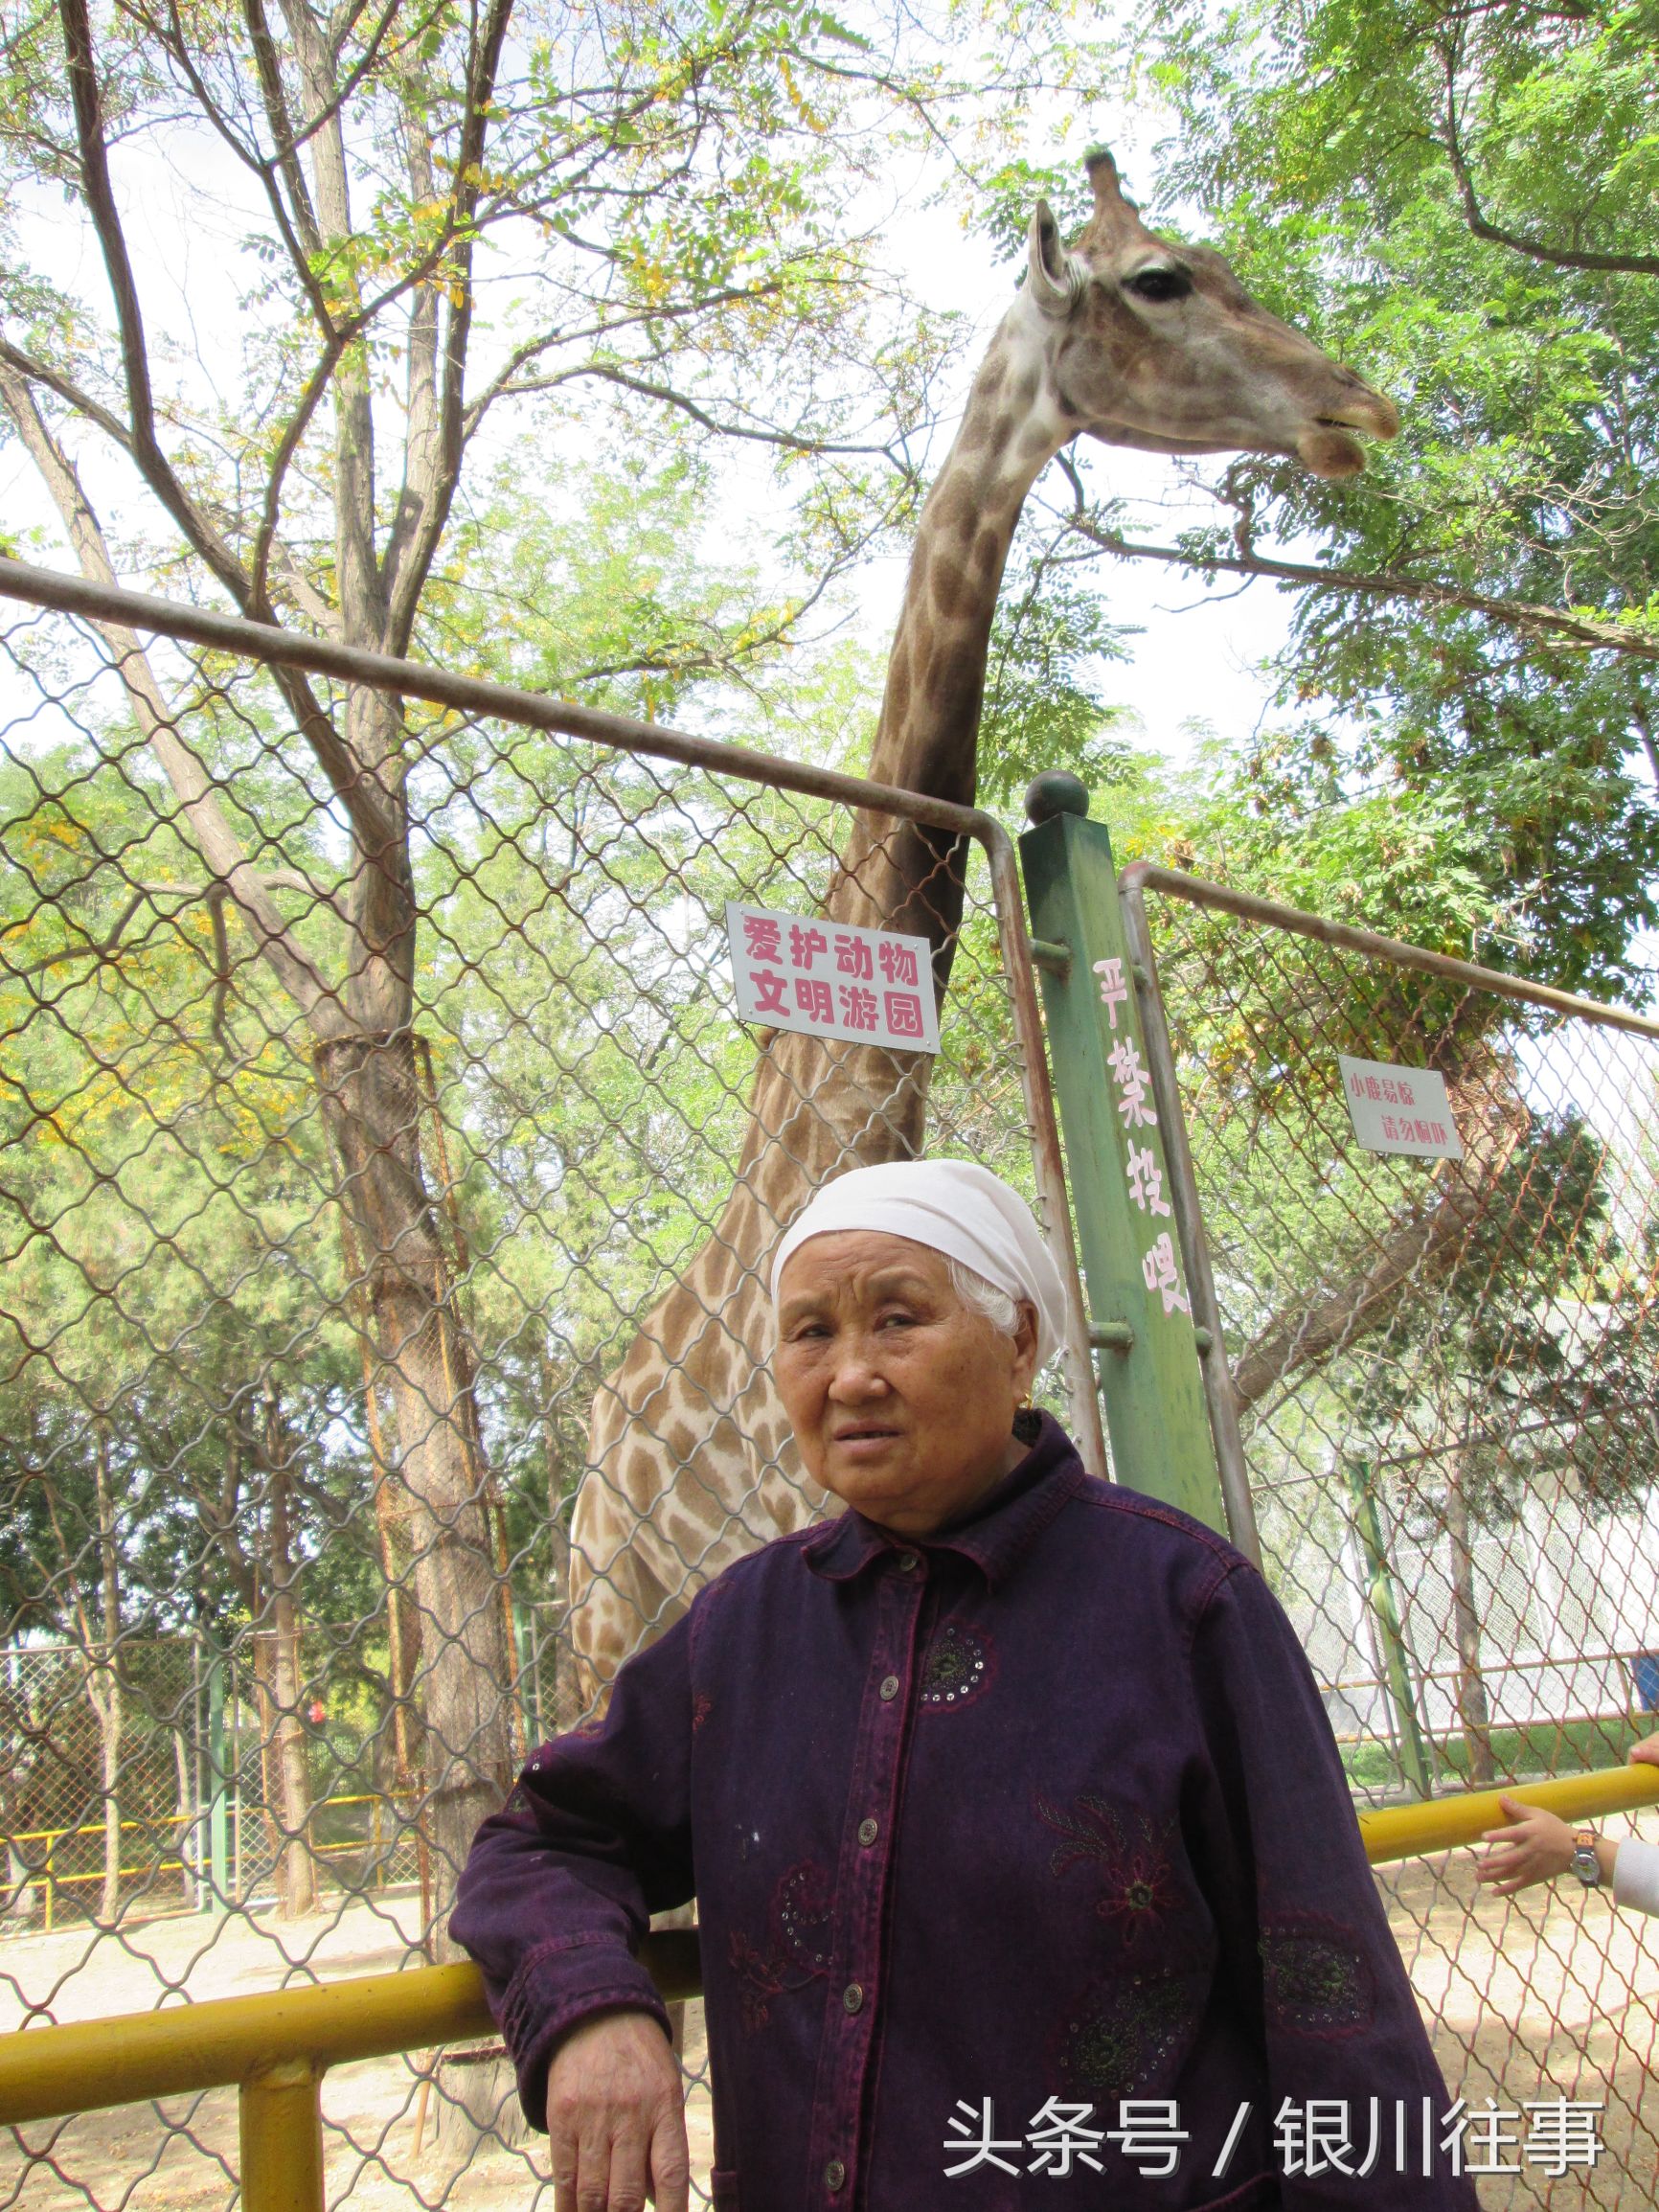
(1636, 1877)
(559, 1986)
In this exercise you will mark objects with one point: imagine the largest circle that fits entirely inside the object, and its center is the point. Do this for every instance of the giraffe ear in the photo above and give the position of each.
(1057, 279)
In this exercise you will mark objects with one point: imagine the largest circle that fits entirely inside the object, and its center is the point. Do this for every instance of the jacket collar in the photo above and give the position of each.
(994, 1536)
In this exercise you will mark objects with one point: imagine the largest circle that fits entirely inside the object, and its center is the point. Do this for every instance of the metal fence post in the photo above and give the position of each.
(281, 2138)
(1140, 1321)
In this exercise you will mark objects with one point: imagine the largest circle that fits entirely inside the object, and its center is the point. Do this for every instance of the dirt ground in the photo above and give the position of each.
(1550, 1996)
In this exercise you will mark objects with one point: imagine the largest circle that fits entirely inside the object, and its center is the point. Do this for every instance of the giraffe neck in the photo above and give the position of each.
(927, 738)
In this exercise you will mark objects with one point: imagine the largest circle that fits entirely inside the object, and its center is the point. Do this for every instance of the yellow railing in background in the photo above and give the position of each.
(42, 1872)
(276, 2048)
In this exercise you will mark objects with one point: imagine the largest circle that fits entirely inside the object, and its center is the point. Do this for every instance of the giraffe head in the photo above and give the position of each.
(1148, 343)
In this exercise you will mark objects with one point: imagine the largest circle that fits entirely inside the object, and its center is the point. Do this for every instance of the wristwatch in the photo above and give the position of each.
(1584, 1862)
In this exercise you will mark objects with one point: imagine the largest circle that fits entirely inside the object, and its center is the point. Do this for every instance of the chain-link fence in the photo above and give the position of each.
(1448, 1378)
(379, 1315)
(367, 1212)
(190, 1736)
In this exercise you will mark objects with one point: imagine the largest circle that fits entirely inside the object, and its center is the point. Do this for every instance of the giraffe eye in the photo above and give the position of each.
(1159, 285)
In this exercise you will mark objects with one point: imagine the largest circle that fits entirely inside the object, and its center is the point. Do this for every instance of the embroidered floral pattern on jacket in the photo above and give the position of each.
(796, 1947)
(801, 1908)
(1137, 1889)
(1317, 1981)
(1122, 2036)
(957, 1667)
(702, 1705)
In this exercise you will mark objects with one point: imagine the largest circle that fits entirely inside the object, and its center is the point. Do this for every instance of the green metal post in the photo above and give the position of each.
(1384, 1603)
(219, 1894)
(1139, 1313)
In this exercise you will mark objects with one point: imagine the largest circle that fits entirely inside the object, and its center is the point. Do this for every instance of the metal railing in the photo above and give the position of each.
(40, 1870)
(275, 2049)
(1436, 1376)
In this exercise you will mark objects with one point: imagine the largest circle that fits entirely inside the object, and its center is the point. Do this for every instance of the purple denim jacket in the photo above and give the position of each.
(1004, 1844)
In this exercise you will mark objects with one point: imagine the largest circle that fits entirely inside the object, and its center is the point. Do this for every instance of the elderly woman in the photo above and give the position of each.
(1025, 1864)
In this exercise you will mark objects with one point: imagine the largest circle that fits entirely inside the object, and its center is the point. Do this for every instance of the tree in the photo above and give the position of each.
(665, 192)
(1462, 197)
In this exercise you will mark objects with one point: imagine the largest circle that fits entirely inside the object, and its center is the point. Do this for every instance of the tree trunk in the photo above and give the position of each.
(1474, 1710)
(392, 1527)
(463, 1684)
(106, 1674)
(558, 1704)
(374, 1104)
(296, 1872)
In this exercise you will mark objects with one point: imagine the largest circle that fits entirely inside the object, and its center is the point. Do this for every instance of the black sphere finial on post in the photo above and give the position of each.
(1056, 791)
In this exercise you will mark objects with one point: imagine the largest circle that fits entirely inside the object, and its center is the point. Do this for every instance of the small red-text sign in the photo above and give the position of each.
(1399, 1110)
(868, 986)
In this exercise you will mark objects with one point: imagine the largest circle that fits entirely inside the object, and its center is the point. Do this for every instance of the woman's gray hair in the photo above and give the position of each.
(996, 1305)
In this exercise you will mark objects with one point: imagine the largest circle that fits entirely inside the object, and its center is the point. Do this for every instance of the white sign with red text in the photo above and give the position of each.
(1399, 1110)
(828, 979)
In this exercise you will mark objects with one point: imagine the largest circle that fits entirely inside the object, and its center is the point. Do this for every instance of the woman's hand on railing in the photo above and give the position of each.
(616, 2118)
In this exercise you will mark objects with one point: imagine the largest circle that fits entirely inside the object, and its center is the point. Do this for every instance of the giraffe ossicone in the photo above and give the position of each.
(1125, 336)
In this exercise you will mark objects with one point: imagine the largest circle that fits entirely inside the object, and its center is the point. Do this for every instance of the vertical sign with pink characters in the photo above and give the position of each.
(1159, 1267)
(829, 979)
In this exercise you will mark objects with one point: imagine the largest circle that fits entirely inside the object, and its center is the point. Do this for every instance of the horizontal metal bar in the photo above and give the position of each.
(1047, 952)
(90, 2065)
(472, 695)
(1111, 1335)
(1393, 1832)
(1199, 890)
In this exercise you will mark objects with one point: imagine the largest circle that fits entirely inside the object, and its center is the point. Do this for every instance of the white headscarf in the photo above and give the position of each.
(952, 1206)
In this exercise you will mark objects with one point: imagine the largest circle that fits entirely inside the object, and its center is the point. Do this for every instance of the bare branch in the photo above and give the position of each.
(369, 817)
(1380, 584)
(193, 789)
(427, 498)
(67, 390)
(288, 446)
(270, 71)
(158, 469)
(1556, 257)
(790, 441)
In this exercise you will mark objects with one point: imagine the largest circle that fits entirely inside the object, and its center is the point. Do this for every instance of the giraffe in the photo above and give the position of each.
(1123, 337)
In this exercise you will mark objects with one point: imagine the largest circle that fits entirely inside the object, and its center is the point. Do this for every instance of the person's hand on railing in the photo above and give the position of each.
(1534, 1847)
(616, 2118)
(1537, 1846)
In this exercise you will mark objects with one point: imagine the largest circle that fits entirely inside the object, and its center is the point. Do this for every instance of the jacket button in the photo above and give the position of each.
(868, 1832)
(834, 2174)
(889, 1687)
(907, 1563)
(852, 1997)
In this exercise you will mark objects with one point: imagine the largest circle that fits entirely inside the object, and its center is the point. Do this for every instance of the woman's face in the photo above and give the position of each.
(901, 1397)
